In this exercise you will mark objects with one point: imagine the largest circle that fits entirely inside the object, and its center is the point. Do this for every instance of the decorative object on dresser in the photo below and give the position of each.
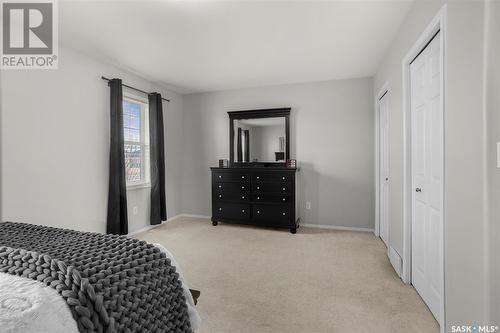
(261, 192)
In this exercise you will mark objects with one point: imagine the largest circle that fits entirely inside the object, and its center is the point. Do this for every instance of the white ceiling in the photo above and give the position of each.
(205, 45)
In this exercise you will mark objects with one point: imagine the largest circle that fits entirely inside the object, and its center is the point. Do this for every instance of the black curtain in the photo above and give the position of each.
(117, 222)
(157, 155)
(239, 152)
(246, 134)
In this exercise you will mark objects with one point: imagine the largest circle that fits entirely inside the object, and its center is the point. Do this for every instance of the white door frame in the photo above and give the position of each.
(385, 89)
(437, 24)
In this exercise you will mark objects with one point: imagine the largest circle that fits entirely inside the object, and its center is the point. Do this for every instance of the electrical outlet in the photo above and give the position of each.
(308, 205)
(135, 210)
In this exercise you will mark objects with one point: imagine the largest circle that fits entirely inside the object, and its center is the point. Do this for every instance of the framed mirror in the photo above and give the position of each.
(259, 137)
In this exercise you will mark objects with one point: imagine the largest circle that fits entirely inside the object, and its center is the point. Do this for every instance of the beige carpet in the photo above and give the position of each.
(260, 280)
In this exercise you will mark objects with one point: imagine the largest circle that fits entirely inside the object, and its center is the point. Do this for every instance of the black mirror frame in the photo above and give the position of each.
(260, 113)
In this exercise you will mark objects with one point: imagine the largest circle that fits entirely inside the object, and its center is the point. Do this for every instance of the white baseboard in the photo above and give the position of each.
(335, 227)
(395, 260)
(149, 227)
(320, 226)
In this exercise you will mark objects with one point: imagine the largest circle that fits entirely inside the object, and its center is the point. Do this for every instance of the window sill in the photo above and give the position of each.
(138, 186)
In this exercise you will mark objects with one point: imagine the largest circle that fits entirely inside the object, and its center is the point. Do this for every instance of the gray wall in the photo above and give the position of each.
(55, 145)
(465, 221)
(332, 129)
(270, 142)
(493, 131)
(265, 142)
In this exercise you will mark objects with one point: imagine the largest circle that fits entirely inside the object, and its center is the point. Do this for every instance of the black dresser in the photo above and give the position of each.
(255, 195)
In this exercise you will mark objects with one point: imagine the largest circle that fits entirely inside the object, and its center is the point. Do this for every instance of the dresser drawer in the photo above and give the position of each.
(235, 187)
(229, 177)
(277, 198)
(231, 211)
(242, 196)
(272, 187)
(280, 177)
(281, 214)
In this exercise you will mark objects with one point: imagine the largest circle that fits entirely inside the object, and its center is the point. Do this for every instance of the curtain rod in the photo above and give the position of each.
(139, 90)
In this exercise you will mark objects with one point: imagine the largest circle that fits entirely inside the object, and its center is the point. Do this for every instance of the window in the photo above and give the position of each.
(136, 137)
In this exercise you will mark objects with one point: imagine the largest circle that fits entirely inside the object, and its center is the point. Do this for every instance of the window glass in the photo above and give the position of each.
(136, 137)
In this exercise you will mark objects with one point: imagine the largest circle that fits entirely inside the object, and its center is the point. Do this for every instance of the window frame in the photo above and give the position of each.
(145, 181)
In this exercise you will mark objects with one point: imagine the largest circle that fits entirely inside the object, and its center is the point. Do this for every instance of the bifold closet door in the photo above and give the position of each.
(427, 175)
(384, 168)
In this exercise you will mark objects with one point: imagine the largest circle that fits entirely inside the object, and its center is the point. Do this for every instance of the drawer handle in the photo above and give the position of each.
(284, 199)
(220, 209)
(284, 189)
(258, 212)
(242, 210)
(284, 178)
(220, 195)
(258, 177)
(243, 197)
(243, 187)
(258, 198)
(220, 186)
(258, 187)
(242, 177)
(220, 176)
(284, 214)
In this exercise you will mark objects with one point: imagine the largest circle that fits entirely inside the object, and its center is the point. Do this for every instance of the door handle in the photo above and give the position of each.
(418, 189)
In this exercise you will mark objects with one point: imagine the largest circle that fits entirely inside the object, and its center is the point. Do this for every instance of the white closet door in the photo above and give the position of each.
(427, 174)
(384, 168)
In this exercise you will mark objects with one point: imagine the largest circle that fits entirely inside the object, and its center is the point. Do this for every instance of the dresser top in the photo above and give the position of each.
(266, 169)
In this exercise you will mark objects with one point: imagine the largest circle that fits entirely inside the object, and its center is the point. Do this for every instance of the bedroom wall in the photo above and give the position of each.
(269, 141)
(492, 11)
(465, 223)
(255, 143)
(332, 139)
(55, 145)
(264, 142)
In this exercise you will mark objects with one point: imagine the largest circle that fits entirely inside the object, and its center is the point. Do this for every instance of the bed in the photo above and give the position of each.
(58, 280)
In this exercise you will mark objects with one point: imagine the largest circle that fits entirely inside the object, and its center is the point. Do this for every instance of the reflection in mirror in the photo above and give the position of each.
(259, 140)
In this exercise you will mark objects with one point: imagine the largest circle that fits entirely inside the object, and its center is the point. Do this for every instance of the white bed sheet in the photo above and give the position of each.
(28, 306)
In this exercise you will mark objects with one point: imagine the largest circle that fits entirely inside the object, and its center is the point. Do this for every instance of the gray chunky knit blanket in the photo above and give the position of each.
(110, 283)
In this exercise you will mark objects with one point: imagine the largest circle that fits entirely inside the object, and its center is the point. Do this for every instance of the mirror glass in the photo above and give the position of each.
(259, 140)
